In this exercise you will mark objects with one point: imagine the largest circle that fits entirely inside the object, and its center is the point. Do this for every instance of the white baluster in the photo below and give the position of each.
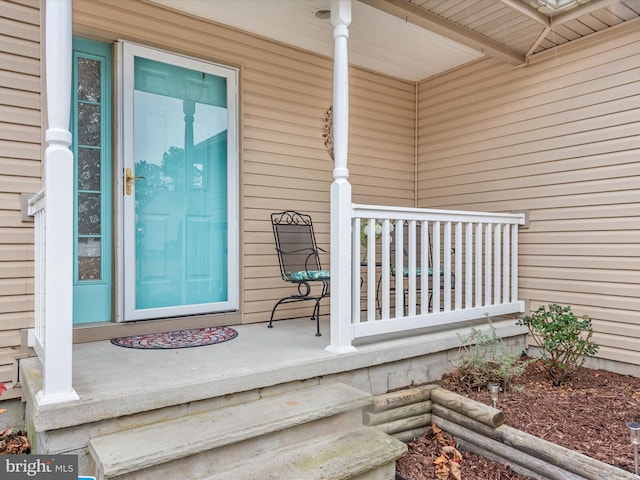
(497, 262)
(435, 253)
(457, 290)
(385, 270)
(356, 271)
(424, 267)
(506, 262)
(488, 242)
(447, 267)
(468, 265)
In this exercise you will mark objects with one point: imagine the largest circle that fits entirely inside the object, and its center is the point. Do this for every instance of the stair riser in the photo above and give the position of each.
(77, 437)
(384, 472)
(364, 452)
(218, 459)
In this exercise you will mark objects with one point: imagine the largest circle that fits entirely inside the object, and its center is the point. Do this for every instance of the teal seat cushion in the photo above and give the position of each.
(405, 271)
(305, 275)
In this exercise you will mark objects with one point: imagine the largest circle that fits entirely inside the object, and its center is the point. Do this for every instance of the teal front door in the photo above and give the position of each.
(179, 185)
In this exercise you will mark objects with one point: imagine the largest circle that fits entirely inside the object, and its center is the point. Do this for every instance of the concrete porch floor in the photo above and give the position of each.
(113, 381)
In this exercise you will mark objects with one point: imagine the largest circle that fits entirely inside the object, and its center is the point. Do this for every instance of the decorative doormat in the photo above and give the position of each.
(194, 337)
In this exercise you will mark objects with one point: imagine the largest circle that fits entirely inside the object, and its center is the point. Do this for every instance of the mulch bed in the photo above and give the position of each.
(587, 414)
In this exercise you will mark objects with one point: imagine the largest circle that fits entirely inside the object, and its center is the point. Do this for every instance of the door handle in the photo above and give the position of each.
(128, 178)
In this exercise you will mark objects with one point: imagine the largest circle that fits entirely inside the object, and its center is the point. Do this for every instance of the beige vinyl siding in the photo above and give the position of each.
(20, 171)
(284, 93)
(561, 139)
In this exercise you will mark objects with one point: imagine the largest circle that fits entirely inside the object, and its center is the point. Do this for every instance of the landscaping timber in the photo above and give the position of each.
(405, 424)
(519, 448)
(403, 414)
(400, 398)
(386, 416)
(471, 408)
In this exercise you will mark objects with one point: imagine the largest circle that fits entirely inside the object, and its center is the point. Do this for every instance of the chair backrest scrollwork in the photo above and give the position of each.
(295, 242)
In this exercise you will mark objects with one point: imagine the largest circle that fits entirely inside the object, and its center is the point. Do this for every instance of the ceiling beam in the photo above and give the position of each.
(422, 18)
(584, 9)
(528, 11)
(538, 41)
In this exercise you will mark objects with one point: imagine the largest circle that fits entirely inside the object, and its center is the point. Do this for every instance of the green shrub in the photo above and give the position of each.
(563, 339)
(485, 358)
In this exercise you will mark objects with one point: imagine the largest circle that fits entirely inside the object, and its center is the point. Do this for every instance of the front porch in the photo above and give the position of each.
(120, 388)
(398, 313)
(439, 268)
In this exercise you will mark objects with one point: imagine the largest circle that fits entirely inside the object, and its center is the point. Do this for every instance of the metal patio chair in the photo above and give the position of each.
(299, 259)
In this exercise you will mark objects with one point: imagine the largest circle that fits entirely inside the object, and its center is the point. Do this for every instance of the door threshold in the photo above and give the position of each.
(94, 332)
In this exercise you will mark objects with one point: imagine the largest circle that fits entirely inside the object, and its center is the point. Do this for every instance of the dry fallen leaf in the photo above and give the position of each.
(442, 459)
(438, 435)
(453, 452)
(442, 467)
(456, 470)
(14, 443)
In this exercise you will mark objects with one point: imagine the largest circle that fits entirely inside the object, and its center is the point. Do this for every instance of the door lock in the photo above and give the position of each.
(128, 178)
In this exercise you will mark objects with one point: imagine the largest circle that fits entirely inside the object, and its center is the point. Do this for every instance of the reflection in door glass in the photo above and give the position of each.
(180, 151)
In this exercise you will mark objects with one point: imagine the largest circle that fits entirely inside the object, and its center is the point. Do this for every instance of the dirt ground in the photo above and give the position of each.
(587, 414)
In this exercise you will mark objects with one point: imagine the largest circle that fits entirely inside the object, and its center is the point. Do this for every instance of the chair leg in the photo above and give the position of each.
(273, 312)
(325, 293)
(280, 302)
(316, 314)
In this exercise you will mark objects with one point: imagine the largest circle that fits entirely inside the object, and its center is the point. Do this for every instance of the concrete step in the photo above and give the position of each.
(190, 446)
(364, 453)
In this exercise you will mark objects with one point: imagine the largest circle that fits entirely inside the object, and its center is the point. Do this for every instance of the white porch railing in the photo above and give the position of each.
(37, 210)
(431, 267)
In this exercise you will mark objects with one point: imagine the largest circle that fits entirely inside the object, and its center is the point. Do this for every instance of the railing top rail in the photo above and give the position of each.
(429, 214)
(36, 203)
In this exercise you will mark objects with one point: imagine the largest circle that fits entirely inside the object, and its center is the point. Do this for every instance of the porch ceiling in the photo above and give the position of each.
(415, 39)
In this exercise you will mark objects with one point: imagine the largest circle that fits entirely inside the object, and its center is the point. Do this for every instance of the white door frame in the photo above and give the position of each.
(125, 296)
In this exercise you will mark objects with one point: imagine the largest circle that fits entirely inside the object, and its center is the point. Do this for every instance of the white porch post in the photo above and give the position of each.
(340, 188)
(58, 186)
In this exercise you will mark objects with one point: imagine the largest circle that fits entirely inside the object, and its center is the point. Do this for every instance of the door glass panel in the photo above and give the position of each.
(89, 124)
(89, 177)
(89, 207)
(180, 153)
(89, 258)
(89, 80)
